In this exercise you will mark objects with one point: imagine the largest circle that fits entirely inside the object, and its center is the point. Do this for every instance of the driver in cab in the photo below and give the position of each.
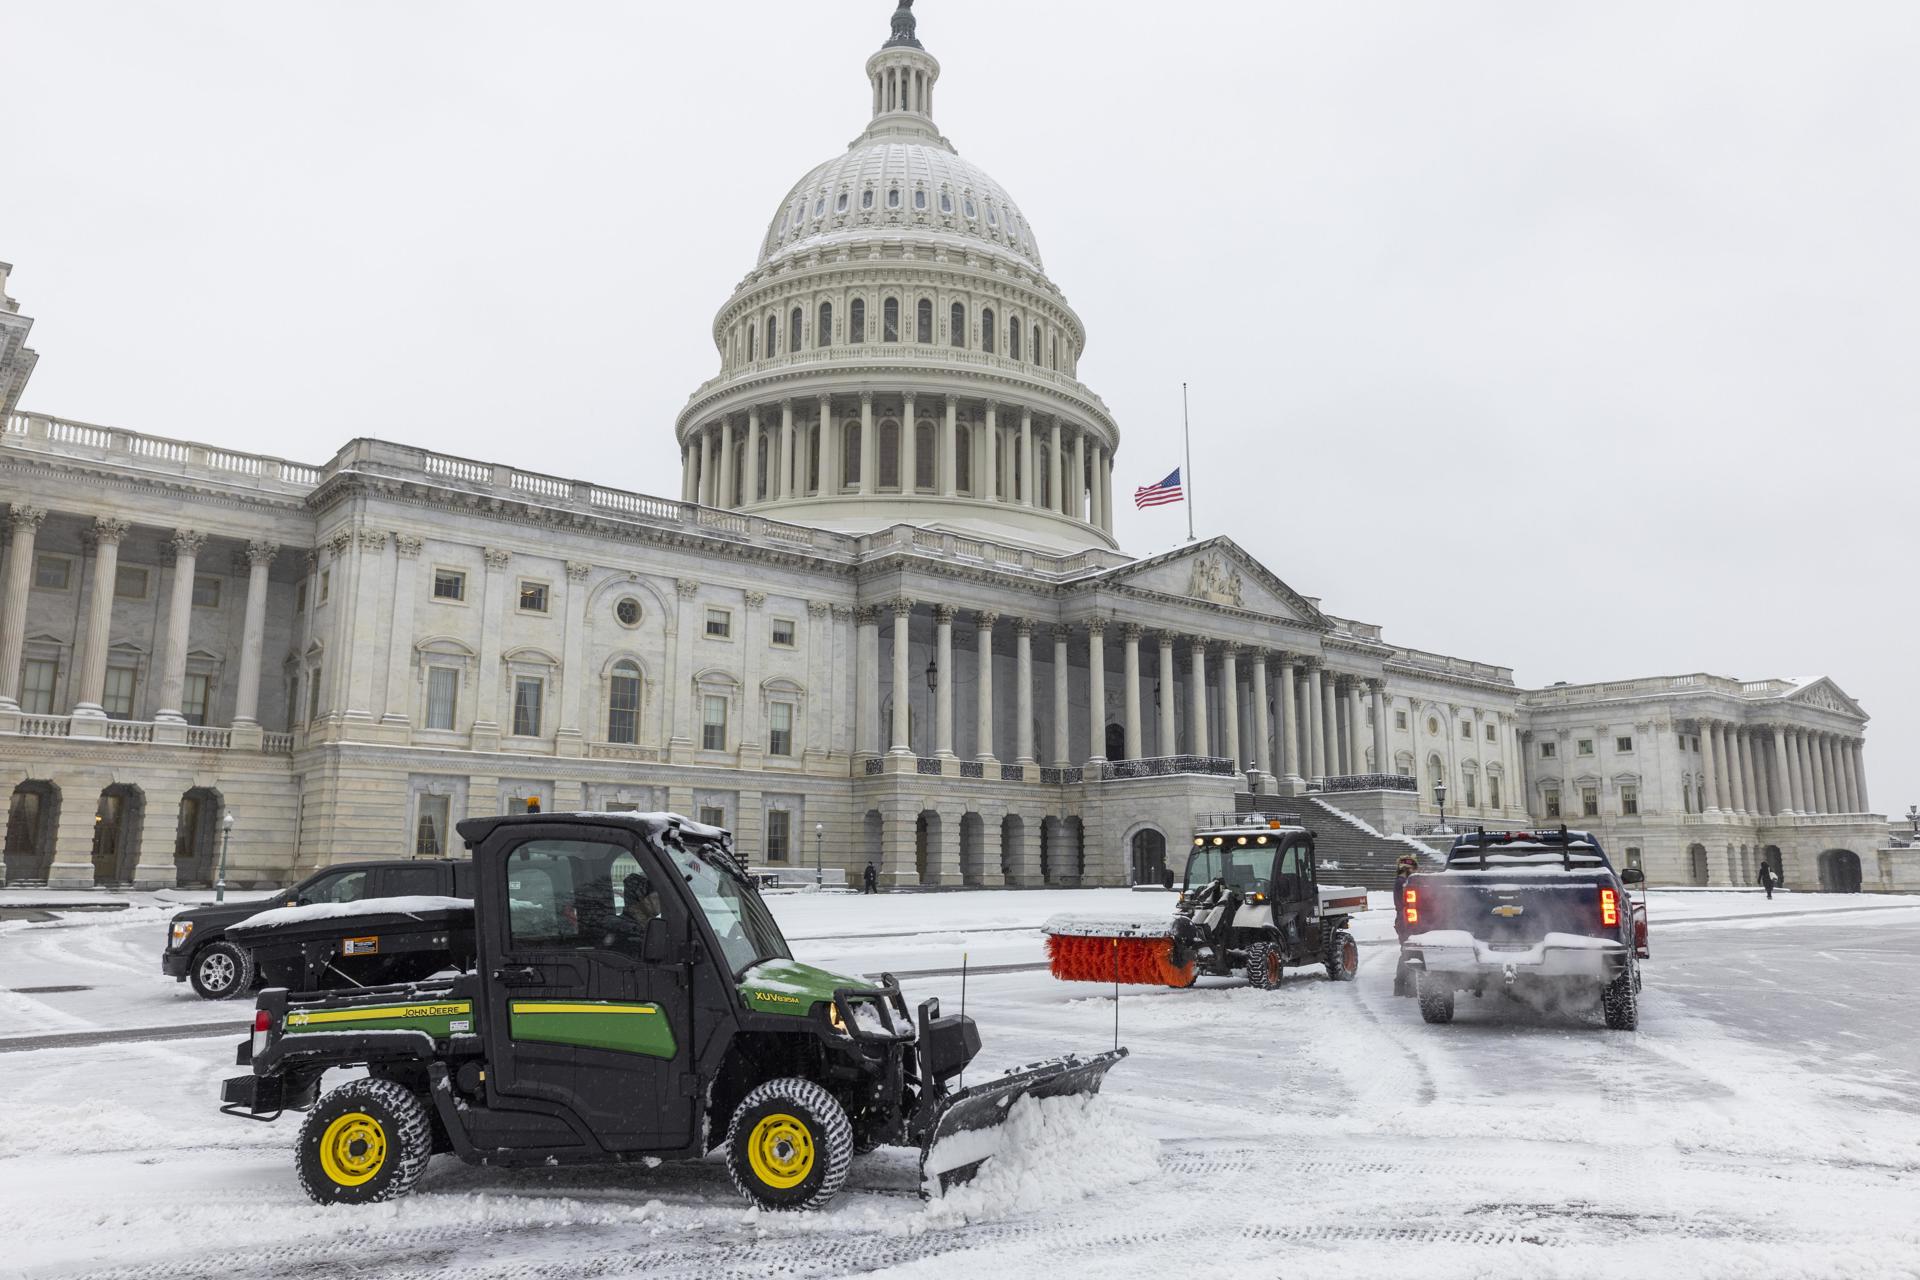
(640, 906)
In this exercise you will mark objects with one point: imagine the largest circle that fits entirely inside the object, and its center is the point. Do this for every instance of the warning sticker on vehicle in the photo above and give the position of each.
(360, 946)
(460, 1024)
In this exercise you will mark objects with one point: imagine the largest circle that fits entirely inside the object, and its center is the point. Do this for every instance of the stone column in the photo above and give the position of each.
(943, 680)
(1356, 753)
(186, 544)
(827, 442)
(689, 471)
(1326, 754)
(1843, 761)
(105, 538)
(869, 449)
(983, 623)
(709, 468)
(1023, 690)
(1729, 745)
(1823, 762)
(1708, 749)
(577, 720)
(1166, 735)
(1758, 789)
(750, 490)
(1378, 688)
(494, 605)
(1749, 781)
(398, 706)
(1289, 763)
(909, 446)
(988, 483)
(253, 630)
(1026, 458)
(362, 619)
(791, 476)
(1799, 801)
(725, 498)
(1860, 774)
(1809, 773)
(1262, 720)
(1097, 689)
(902, 677)
(1077, 507)
(1201, 743)
(948, 468)
(24, 522)
(1230, 703)
(1130, 641)
(866, 681)
(1062, 703)
(1054, 476)
(1782, 796)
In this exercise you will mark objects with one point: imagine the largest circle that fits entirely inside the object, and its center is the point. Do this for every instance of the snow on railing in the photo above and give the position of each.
(33, 430)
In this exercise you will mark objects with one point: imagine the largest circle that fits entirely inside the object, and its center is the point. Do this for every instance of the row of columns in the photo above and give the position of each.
(1781, 769)
(103, 540)
(1004, 459)
(1320, 711)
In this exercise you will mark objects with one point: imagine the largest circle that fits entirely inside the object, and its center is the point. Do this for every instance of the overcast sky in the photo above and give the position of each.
(1574, 337)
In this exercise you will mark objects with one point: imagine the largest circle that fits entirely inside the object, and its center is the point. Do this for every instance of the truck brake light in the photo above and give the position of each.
(262, 1021)
(1609, 908)
(1410, 905)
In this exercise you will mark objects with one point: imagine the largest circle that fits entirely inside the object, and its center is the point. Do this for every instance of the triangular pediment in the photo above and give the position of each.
(1827, 696)
(1217, 572)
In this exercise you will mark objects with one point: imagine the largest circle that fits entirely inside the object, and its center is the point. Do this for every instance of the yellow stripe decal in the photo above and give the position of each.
(306, 1018)
(530, 1006)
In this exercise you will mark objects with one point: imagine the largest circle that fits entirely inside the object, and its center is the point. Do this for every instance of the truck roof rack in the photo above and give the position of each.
(1265, 821)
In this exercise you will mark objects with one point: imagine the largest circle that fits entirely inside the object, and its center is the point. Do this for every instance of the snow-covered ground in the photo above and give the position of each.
(1765, 1121)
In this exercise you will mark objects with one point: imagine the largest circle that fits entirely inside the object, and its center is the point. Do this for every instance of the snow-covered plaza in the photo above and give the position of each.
(1763, 1121)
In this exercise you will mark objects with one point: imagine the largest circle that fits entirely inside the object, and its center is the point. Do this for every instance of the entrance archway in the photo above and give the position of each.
(972, 848)
(1697, 863)
(926, 838)
(116, 834)
(1013, 847)
(873, 829)
(1147, 857)
(1839, 871)
(1773, 859)
(33, 818)
(196, 843)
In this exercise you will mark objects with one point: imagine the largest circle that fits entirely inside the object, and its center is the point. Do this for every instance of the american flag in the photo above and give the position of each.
(1158, 495)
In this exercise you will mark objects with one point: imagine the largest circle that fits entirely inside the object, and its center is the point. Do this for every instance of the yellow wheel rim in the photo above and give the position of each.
(353, 1149)
(780, 1151)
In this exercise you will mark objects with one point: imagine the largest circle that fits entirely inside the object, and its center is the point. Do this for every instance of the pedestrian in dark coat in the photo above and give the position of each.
(1767, 878)
(869, 879)
(1405, 867)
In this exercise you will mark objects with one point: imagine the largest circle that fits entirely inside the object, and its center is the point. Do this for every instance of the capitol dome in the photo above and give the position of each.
(898, 355)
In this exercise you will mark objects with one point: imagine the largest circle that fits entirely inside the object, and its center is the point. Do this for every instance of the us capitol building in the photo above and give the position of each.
(885, 619)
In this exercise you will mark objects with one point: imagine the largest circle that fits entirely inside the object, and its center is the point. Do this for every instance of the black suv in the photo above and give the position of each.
(199, 952)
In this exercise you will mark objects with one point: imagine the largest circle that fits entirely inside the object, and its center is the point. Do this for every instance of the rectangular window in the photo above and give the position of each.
(1589, 802)
(300, 597)
(1493, 791)
(1623, 745)
(527, 692)
(1492, 736)
(206, 592)
(719, 624)
(130, 583)
(52, 573)
(1584, 746)
(1630, 800)
(1546, 750)
(779, 835)
(194, 696)
(783, 632)
(533, 597)
(1399, 719)
(313, 695)
(326, 585)
(713, 724)
(430, 828)
(1633, 856)
(1466, 729)
(37, 681)
(117, 700)
(623, 705)
(1471, 802)
(1553, 804)
(780, 729)
(449, 584)
(443, 697)
(712, 816)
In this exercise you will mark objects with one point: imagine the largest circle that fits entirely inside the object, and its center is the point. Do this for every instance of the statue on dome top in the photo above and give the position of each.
(902, 28)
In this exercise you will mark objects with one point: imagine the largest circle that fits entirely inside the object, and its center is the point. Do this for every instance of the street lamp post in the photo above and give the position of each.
(226, 834)
(1440, 798)
(933, 682)
(819, 835)
(1913, 820)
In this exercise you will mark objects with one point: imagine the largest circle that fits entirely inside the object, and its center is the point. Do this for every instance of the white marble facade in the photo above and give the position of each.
(885, 619)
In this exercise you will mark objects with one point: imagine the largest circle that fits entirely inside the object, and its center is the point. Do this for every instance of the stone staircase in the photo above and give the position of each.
(1350, 852)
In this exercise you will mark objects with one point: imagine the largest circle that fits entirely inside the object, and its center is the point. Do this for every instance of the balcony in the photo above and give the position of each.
(134, 451)
(150, 733)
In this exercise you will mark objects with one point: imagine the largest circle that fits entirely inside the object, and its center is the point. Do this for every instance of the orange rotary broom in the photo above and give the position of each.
(1089, 949)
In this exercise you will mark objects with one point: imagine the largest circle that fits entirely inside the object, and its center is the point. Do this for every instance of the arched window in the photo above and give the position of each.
(1013, 338)
(866, 198)
(963, 458)
(946, 202)
(1043, 476)
(924, 455)
(760, 469)
(919, 197)
(1054, 351)
(923, 320)
(857, 321)
(957, 322)
(889, 454)
(840, 204)
(773, 335)
(796, 323)
(890, 320)
(893, 197)
(813, 447)
(623, 703)
(986, 330)
(1034, 350)
(739, 473)
(850, 450)
(750, 335)
(823, 329)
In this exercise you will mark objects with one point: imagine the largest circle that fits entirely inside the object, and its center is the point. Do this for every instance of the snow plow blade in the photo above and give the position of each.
(1142, 953)
(960, 1140)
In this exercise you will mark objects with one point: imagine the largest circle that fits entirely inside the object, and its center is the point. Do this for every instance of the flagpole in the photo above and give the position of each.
(1186, 432)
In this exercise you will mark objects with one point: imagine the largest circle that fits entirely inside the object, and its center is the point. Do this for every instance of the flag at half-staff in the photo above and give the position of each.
(1159, 495)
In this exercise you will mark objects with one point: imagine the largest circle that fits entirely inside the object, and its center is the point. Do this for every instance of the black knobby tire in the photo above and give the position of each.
(1342, 957)
(1436, 999)
(1264, 966)
(221, 970)
(1619, 1004)
(789, 1145)
(368, 1140)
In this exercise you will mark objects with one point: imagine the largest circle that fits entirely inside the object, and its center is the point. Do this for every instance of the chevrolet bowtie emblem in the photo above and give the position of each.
(1508, 912)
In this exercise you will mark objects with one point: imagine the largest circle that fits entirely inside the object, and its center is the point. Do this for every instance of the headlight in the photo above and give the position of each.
(181, 929)
(834, 1019)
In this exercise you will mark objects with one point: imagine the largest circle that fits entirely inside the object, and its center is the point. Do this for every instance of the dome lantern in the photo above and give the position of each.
(902, 74)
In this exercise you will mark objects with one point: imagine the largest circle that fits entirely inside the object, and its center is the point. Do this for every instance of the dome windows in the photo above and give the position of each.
(923, 320)
(823, 331)
(957, 325)
(967, 207)
(986, 330)
(866, 198)
(993, 216)
(857, 321)
(1013, 338)
(890, 320)
(820, 207)
(799, 211)
(840, 203)
(795, 323)
(946, 202)
(920, 198)
(893, 197)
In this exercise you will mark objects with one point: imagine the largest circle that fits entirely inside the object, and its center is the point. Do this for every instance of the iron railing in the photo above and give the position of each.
(1370, 782)
(1168, 766)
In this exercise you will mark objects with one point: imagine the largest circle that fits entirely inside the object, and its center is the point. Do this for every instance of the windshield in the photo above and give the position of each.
(740, 920)
(1245, 868)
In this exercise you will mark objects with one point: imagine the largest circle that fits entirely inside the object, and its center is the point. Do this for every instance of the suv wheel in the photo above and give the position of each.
(1620, 1005)
(789, 1146)
(368, 1140)
(1436, 999)
(221, 971)
(1264, 968)
(1343, 957)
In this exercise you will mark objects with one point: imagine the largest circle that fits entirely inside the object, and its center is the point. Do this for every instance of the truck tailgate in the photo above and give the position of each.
(1506, 910)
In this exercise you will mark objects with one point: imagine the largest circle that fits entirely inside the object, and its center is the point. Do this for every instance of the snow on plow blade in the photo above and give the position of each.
(961, 1138)
(1091, 949)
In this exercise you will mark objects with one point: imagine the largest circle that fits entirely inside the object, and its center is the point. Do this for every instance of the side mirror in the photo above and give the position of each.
(1632, 875)
(655, 946)
(1166, 879)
